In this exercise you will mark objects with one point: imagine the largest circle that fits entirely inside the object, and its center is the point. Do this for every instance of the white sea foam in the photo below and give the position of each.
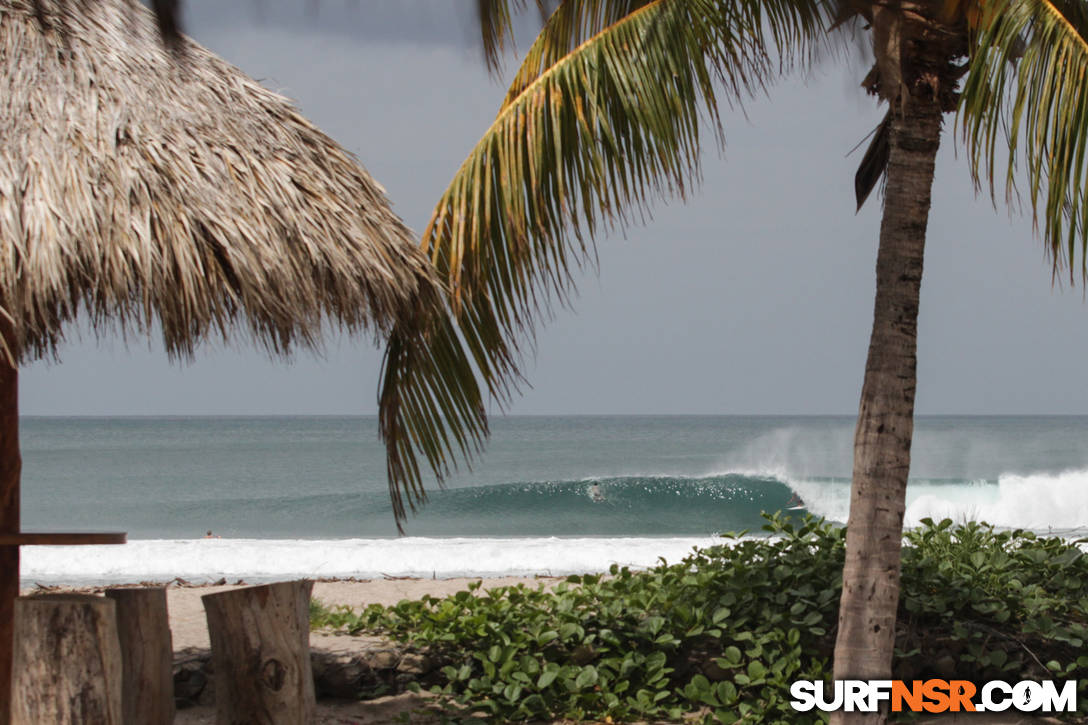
(1040, 501)
(256, 560)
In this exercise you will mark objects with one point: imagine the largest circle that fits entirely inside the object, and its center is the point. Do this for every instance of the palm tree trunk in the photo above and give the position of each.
(870, 594)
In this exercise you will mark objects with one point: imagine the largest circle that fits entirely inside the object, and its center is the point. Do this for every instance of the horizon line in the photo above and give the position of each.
(538, 415)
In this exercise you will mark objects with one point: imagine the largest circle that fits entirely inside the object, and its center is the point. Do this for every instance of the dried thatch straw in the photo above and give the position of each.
(140, 183)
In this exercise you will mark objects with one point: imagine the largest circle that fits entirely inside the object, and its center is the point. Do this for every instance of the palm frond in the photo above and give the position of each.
(874, 163)
(570, 25)
(430, 403)
(1028, 85)
(585, 145)
(496, 21)
(793, 25)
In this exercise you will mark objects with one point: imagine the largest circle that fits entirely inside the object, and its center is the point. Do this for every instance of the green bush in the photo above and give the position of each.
(721, 634)
(1003, 605)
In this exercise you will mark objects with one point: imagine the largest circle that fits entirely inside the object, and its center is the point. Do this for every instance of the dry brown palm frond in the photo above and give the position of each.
(139, 185)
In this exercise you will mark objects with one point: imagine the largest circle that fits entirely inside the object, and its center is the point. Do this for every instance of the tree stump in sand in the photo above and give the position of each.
(261, 654)
(67, 661)
(147, 655)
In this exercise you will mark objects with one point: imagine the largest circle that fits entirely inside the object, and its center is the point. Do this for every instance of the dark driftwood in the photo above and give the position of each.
(261, 654)
(67, 661)
(147, 655)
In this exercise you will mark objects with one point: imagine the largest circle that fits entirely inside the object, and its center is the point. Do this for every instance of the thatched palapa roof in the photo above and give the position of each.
(138, 185)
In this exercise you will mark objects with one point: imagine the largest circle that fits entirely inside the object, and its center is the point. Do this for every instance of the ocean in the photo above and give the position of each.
(306, 496)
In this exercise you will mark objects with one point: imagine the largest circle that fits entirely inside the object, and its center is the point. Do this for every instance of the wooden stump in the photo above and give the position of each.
(261, 654)
(67, 661)
(147, 655)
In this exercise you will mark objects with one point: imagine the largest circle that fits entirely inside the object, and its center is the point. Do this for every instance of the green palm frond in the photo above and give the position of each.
(430, 403)
(592, 140)
(1028, 84)
(569, 26)
(793, 27)
(496, 21)
(587, 143)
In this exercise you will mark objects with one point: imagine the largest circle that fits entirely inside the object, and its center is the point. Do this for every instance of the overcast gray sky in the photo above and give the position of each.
(754, 297)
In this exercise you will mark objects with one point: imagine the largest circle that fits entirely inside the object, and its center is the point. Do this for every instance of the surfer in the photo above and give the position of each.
(595, 494)
(795, 501)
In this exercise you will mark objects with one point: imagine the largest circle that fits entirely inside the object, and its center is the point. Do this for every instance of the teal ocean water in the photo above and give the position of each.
(543, 485)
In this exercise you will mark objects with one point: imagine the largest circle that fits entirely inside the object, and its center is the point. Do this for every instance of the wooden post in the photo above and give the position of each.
(147, 655)
(67, 661)
(11, 537)
(11, 464)
(261, 654)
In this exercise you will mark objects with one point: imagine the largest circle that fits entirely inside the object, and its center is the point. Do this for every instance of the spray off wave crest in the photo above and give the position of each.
(1042, 502)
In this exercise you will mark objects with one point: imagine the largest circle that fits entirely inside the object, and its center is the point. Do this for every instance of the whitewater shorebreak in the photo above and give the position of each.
(258, 560)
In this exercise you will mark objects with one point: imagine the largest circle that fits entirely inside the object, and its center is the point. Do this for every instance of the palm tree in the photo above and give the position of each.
(603, 117)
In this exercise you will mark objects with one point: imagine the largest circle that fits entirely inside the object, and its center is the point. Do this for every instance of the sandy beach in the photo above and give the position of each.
(189, 627)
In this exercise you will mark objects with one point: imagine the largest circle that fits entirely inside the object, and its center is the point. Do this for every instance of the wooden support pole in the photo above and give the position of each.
(261, 654)
(11, 464)
(67, 661)
(147, 655)
(67, 538)
(11, 467)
